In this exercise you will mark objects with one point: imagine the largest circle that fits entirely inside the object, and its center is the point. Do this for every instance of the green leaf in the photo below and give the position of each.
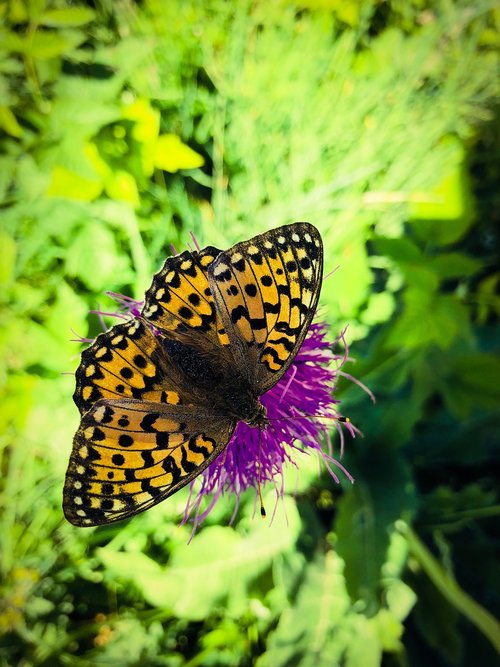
(454, 265)
(381, 306)
(451, 590)
(8, 255)
(67, 17)
(429, 319)
(366, 650)
(471, 380)
(214, 569)
(44, 45)
(367, 512)
(69, 184)
(8, 122)
(122, 186)
(94, 258)
(311, 631)
(399, 249)
(347, 288)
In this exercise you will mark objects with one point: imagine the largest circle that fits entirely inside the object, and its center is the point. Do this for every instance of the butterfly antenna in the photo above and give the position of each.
(344, 420)
(259, 489)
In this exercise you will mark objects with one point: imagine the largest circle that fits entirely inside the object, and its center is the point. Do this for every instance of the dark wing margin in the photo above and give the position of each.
(266, 291)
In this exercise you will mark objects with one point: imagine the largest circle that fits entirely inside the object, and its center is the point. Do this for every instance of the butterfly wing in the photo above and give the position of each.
(126, 362)
(266, 291)
(179, 302)
(141, 438)
(129, 455)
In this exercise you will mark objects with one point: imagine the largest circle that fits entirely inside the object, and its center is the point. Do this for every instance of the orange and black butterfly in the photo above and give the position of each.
(161, 395)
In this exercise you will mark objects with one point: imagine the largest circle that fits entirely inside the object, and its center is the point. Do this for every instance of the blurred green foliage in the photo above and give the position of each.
(123, 127)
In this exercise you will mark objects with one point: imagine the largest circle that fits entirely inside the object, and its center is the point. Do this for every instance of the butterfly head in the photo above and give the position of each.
(259, 417)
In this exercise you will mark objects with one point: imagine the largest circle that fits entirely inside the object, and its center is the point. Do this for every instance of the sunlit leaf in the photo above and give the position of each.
(171, 154)
(67, 17)
(184, 587)
(43, 45)
(121, 185)
(67, 183)
(8, 258)
(8, 122)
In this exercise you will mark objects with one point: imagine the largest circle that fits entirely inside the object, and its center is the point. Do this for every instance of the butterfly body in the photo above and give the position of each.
(161, 395)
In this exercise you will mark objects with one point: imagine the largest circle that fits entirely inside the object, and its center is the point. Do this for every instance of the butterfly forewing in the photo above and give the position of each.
(125, 362)
(266, 292)
(179, 303)
(129, 455)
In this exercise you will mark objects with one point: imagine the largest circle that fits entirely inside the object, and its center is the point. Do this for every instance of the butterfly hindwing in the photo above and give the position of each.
(266, 292)
(129, 455)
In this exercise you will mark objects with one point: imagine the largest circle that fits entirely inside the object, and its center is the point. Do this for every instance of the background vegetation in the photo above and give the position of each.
(124, 126)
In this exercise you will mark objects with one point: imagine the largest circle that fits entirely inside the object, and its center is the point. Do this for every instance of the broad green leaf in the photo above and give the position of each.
(366, 649)
(67, 17)
(345, 290)
(145, 131)
(171, 154)
(17, 393)
(471, 380)
(215, 568)
(311, 631)
(67, 315)
(449, 199)
(367, 512)
(400, 599)
(30, 344)
(50, 44)
(429, 319)
(17, 11)
(454, 265)
(401, 250)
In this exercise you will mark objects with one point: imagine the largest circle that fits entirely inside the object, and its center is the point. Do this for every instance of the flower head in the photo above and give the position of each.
(301, 409)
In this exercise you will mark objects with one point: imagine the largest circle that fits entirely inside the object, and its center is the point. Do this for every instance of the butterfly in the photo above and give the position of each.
(161, 394)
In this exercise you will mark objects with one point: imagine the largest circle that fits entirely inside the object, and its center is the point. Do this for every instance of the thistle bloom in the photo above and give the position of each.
(301, 409)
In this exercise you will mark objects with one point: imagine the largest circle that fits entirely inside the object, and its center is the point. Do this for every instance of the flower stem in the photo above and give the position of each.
(449, 588)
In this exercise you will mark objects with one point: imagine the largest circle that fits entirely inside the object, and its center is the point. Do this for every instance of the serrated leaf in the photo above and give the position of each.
(308, 630)
(429, 319)
(366, 651)
(216, 566)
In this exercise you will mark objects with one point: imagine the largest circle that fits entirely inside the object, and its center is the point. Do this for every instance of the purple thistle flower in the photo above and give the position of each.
(300, 407)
